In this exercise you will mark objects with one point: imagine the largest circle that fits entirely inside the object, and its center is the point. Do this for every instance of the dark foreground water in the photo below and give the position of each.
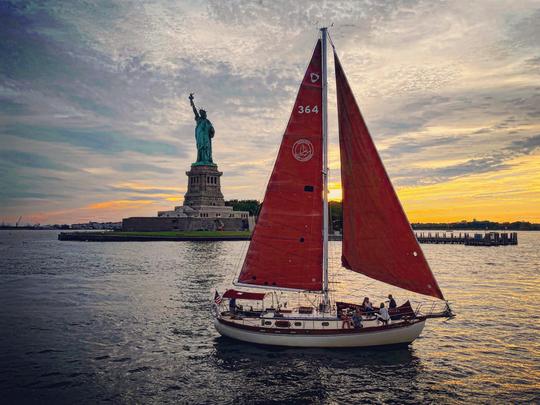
(129, 323)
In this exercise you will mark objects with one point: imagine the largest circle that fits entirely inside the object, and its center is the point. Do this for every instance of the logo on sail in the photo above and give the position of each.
(302, 150)
(314, 77)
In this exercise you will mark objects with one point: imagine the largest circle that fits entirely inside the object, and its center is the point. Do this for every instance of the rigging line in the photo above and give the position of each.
(311, 302)
(242, 255)
(330, 39)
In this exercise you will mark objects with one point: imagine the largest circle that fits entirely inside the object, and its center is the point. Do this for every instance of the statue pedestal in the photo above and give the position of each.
(203, 210)
(204, 186)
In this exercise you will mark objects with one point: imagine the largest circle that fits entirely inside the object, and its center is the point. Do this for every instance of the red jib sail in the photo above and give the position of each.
(286, 247)
(377, 238)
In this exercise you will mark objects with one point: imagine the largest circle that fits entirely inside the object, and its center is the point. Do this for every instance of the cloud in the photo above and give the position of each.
(95, 139)
(18, 158)
(144, 167)
(527, 145)
(498, 161)
(147, 190)
(94, 95)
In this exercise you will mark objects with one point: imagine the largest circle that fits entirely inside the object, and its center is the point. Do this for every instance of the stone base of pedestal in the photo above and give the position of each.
(204, 187)
(160, 224)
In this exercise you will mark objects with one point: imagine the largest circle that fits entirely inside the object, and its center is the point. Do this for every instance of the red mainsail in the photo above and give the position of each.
(287, 246)
(377, 238)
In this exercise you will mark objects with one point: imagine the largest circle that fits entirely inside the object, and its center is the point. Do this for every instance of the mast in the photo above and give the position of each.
(326, 301)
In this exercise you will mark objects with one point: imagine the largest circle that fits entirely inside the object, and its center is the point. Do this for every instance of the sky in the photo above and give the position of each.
(95, 122)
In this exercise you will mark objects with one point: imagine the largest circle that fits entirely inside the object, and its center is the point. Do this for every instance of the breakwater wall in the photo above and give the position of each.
(111, 237)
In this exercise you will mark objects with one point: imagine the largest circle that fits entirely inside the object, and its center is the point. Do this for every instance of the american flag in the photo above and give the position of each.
(218, 298)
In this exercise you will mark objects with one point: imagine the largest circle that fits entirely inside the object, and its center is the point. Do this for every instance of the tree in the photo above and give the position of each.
(252, 206)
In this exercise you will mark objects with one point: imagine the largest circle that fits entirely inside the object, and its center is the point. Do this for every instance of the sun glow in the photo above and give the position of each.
(511, 194)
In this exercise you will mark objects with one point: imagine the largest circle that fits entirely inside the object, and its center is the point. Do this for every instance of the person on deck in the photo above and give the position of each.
(232, 305)
(391, 302)
(383, 315)
(357, 319)
(368, 307)
(345, 320)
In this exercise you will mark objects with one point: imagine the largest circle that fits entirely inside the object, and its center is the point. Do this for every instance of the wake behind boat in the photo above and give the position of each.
(289, 246)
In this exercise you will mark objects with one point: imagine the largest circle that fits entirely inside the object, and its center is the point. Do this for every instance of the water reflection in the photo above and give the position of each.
(322, 374)
(130, 323)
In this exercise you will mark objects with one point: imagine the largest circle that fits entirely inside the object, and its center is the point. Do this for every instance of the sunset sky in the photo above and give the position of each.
(95, 122)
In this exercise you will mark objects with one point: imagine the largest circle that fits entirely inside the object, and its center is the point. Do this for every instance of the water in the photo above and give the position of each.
(129, 323)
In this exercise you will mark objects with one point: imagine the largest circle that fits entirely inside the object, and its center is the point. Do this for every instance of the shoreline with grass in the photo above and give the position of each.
(168, 236)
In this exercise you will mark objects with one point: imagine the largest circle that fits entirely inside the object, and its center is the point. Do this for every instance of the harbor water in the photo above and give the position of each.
(130, 322)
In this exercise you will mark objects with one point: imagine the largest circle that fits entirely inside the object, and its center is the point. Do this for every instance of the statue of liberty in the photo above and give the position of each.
(204, 132)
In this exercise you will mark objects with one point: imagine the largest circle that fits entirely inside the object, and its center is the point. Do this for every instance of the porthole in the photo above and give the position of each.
(298, 324)
(325, 324)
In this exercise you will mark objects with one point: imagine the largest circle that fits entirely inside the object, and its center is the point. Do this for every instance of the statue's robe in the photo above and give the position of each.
(204, 132)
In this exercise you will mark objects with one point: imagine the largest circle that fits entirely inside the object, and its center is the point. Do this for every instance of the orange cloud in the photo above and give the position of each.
(115, 204)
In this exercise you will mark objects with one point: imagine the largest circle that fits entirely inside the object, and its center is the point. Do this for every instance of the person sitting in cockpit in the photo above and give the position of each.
(368, 308)
(383, 315)
(232, 305)
(357, 319)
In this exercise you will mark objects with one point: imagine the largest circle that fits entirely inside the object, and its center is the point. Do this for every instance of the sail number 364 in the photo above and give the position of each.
(308, 109)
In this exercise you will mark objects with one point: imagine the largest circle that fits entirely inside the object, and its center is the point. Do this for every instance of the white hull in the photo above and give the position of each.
(391, 336)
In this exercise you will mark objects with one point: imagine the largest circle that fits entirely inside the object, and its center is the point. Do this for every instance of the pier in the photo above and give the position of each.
(476, 239)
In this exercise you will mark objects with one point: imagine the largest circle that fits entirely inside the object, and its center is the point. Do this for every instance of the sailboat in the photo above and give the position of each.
(289, 246)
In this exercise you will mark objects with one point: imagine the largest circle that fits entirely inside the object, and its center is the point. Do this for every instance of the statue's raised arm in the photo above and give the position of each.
(193, 106)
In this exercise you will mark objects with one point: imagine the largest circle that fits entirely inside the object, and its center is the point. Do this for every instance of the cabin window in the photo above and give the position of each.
(298, 324)
(305, 310)
(325, 324)
(283, 324)
(308, 189)
(268, 323)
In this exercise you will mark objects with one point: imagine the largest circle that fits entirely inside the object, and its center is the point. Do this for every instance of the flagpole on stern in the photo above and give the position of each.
(326, 301)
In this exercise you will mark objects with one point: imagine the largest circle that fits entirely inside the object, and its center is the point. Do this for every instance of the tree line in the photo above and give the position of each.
(336, 219)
